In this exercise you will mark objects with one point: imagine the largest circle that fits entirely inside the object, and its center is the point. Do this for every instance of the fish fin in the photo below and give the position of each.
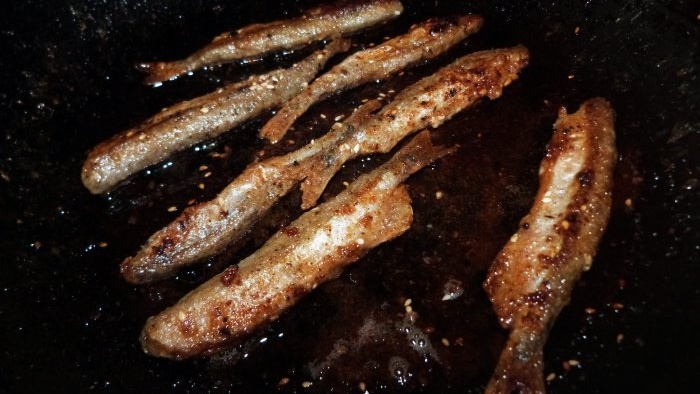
(320, 173)
(277, 126)
(420, 151)
(362, 113)
(159, 72)
(519, 368)
(396, 214)
(324, 167)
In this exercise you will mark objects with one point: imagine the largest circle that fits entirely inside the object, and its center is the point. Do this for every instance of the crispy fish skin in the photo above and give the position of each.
(190, 122)
(311, 250)
(532, 278)
(422, 42)
(205, 229)
(320, 23)
(428, 103)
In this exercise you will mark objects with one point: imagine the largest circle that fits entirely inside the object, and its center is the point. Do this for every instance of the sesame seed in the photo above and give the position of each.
(323, 116)
(409, 309)
(284, 381)
(201, 186)
(207, 174)
(362, 386)
(307, 384)
(172, 209)
(408, 302)
(439, 195)
(360, 241)
(445, 342)
(574, 363)
(546, 200)
(103, 244)
(203, 167)
(337, 118)
(620, 337)
(204, 110)
(551, 376)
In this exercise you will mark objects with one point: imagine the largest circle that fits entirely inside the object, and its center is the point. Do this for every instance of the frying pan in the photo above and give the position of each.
(69, 323)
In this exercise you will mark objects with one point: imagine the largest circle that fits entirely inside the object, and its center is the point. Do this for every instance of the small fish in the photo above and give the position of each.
(532, 278)
(207, 228)
(423, 41)
(320, 23)
(313, 249)
(187, 123)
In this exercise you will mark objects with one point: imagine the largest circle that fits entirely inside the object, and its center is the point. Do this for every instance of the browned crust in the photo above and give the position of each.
(196, 120)
(423, 41)
(428, 103)
(231, 305)
(440, 96)
(532, 278)
(323, 22)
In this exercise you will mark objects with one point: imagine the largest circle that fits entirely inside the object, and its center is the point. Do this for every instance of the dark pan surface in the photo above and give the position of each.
(68, 323)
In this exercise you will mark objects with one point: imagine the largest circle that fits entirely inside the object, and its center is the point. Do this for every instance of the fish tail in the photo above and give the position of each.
(277, 126)
(323, 166)
(519, 368)
(419, 152)
(159, 72)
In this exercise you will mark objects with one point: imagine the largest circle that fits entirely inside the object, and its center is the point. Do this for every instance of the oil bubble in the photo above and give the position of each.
(398, 368)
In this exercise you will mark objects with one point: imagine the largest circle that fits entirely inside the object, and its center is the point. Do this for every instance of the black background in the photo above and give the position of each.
(69, 324)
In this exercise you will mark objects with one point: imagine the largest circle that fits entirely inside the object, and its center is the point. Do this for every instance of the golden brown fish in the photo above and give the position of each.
(320, 23)
(193, 121)
(422, 42)
(207, 228)
(311, 250)
(532, 278)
